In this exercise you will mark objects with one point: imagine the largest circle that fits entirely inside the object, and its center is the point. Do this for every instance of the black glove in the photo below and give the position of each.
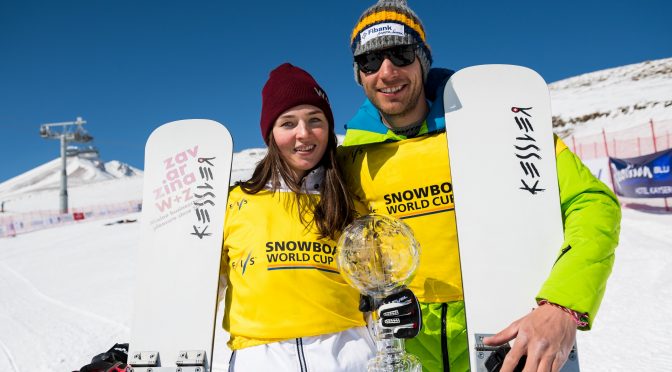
(401, 312)
(106, 367)
(113, 360)
(365, 303)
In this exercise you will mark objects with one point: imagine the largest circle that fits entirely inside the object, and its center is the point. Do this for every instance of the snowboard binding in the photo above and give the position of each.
(491, 358)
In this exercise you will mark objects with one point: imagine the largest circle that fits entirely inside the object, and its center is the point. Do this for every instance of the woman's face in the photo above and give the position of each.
(302, 135)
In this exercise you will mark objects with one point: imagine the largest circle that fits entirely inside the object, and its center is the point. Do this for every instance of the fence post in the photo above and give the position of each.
(606, 151)
(653, 134)
(595, 150)
(639, 147)
(573, 144)
(581, 150)
(604, 142)
(655, 149)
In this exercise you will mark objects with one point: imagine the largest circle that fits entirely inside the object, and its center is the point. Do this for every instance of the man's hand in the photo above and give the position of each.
(546, 336)
(401, 313)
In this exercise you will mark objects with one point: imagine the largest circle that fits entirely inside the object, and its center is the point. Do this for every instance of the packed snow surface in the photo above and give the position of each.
(67, 295)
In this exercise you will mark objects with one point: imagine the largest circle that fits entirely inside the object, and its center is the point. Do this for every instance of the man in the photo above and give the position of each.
(396, 144)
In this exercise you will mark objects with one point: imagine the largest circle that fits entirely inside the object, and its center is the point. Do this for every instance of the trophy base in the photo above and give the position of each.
(394, 363)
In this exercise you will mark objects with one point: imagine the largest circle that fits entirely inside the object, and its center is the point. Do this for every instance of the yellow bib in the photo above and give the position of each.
(410, 180)
(283, 281)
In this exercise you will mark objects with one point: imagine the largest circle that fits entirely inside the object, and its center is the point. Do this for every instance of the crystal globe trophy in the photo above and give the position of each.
(378, 255)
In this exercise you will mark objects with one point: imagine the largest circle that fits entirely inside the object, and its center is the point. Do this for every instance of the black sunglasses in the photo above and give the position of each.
(400, 56)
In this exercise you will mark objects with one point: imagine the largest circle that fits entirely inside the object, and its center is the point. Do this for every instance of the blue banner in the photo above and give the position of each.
(646, 176)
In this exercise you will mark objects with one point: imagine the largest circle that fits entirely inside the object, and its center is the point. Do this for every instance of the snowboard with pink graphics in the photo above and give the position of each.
(186, 182)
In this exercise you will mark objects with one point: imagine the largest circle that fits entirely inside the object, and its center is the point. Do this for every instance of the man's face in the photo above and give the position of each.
(397, 92)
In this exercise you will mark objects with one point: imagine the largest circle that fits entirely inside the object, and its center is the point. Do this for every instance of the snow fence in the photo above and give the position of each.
(645, 138)
(14, 224)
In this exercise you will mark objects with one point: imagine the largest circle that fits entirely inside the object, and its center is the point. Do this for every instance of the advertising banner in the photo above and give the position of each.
(645, 176)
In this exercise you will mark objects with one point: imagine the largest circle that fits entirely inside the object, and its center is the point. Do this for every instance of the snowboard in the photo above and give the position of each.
(186, 181)
(507, 203)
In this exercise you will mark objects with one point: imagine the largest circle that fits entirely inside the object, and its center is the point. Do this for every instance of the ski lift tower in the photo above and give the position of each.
(70, 131)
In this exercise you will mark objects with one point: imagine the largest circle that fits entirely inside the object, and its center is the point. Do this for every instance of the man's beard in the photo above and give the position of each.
(391, 116)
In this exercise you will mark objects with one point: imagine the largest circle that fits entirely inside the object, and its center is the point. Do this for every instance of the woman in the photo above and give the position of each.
(287, 307)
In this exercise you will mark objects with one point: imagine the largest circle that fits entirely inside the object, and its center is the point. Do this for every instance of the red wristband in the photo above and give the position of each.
(580, 319)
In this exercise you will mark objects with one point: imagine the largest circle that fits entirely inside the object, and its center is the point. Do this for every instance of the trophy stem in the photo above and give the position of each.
(391, 355)
(378, 255)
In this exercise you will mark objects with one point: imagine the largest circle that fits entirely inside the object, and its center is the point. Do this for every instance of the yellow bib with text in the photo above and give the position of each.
(410, 180)
(283, 280)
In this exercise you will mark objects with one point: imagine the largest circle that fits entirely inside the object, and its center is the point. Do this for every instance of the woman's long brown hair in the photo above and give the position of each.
(335, 209)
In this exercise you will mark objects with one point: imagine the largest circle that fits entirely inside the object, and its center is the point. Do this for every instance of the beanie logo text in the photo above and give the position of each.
(321, 93)
(383, 29)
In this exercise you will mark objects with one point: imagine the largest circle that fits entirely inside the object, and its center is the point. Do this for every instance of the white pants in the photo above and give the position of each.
(346, 351)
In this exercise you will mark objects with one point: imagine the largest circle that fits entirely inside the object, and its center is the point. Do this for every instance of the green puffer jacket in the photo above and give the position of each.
(591, 218)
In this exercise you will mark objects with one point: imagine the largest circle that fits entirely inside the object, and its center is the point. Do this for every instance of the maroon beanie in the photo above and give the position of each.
(289, 86)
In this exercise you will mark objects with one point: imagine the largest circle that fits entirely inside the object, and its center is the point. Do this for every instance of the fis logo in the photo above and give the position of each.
(238, 204)
(354, 154)
(243, 264)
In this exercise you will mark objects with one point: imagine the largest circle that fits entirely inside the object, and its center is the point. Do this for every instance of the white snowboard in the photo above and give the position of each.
(186, 181)
(507, 204)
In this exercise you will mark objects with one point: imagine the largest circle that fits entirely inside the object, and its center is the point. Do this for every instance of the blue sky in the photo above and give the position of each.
(127, 66)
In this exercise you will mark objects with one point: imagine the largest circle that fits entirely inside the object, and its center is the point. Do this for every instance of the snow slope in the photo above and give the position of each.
(614, 99)
(66, 290)
(38, 189)
(80, 171)
(67, 295)
(244, 163)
